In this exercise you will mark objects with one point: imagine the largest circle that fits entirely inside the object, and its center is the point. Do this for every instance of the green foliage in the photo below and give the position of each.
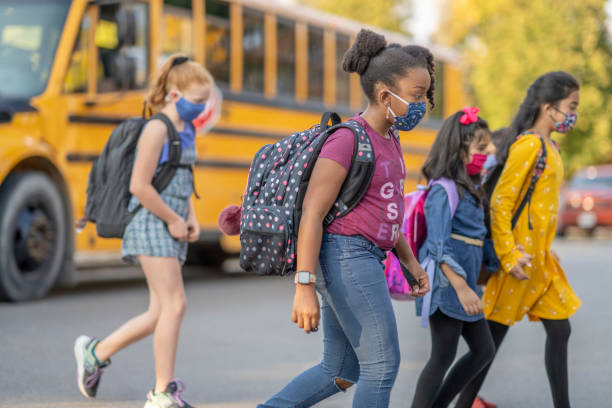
(507, 44)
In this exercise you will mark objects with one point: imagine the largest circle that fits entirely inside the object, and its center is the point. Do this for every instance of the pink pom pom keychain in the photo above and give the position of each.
(229, 220)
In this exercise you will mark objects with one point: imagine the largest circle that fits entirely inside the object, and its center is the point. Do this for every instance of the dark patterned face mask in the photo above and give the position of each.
(567, 124)
(416, 112)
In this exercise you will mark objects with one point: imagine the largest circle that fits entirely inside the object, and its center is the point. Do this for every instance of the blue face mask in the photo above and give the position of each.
(416, 112)
(187, 110)
(491, 161)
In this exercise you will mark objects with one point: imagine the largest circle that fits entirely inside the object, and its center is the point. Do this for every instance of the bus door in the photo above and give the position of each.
(105, 82)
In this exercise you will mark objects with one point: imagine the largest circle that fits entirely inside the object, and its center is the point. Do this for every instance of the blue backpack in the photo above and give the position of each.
(276, 186)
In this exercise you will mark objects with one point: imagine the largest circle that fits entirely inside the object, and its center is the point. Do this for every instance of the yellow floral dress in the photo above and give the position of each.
(547, 293)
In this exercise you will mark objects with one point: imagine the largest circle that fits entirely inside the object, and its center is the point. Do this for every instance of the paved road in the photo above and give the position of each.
(238, 346)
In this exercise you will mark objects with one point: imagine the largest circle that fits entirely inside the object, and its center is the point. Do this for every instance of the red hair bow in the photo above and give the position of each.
(470, 115)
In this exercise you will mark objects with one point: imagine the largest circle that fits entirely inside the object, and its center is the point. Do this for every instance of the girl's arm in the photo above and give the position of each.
(504, 200)
(150, 145)
(323, 189)
(407, 258)
(439, 226)
(467, 297)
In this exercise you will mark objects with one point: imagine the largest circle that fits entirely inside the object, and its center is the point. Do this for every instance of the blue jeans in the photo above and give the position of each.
(359, 329)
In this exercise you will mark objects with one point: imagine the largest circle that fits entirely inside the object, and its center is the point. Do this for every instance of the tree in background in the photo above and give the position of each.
(388, 14)
(507, 44)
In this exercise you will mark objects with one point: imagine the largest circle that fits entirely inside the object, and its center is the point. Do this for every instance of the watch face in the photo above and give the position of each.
(304, 277)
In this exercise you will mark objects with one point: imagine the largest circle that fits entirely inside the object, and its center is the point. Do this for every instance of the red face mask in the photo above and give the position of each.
(475, 166)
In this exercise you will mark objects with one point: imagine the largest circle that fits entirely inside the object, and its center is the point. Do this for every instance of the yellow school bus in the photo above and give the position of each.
(70, 71)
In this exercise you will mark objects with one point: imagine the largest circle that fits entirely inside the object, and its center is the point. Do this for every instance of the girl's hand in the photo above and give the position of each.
(423, 280)
(178, 229)
(306, 311)
(469, 300)
(193, 229)
(517, 270)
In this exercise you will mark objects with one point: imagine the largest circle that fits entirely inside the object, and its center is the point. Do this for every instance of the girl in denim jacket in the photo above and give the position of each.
(456, 251)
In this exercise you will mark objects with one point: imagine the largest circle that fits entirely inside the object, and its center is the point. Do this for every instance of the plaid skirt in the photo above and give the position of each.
(147, 234)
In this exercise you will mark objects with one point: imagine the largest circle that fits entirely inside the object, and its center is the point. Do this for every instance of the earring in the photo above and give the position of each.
(387, 115)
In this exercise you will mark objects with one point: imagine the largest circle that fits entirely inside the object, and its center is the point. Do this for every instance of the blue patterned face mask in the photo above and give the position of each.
(416, 112)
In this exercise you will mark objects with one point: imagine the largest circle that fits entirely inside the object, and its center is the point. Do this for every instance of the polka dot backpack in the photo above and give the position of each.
(276, 186)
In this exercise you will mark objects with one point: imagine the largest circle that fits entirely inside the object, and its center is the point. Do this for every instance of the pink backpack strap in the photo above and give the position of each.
(451, 191)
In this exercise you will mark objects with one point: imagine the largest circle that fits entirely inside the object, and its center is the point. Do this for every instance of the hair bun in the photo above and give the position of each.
(366, 46)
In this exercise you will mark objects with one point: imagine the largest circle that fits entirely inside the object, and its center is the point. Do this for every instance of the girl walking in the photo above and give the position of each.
(158, 235)
(359, 328)
(455, 247)
(531, 281)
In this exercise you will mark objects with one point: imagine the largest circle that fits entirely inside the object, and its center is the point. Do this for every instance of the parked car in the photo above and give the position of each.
(586, 201)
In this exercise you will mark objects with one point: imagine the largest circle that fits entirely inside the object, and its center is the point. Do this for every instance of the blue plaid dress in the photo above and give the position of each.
(146, 234)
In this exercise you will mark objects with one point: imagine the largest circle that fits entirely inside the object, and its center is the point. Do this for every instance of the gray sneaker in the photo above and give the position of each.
(89, 371)
(171, 398)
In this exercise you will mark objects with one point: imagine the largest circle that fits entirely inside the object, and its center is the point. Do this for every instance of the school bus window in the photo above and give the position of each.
(342, 78)
(253, 48)
(315, 63)
(177, 31)
(218, 40)
(186, 4)
(29, 34)
(76, 76)
(121, 37)
(438, 111)
(286, 57)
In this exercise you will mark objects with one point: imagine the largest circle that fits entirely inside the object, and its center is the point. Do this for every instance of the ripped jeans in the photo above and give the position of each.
(359, 329)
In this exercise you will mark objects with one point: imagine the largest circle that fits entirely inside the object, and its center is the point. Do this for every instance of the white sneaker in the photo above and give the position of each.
(171, 398)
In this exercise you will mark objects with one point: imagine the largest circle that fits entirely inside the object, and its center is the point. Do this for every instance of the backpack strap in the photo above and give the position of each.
(540, 165)
(360, 173)
(451, 191)
(335, 118)
(168, 169)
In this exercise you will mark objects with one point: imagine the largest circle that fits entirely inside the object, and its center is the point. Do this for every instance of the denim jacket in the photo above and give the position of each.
(465, 259)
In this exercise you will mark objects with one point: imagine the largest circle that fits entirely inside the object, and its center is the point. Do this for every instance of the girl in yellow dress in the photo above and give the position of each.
(531, 281)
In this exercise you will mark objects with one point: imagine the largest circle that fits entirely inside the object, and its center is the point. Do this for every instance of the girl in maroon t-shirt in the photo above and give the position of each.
(360, 334)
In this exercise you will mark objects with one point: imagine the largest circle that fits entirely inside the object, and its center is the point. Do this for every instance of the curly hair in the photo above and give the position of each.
(376, 61)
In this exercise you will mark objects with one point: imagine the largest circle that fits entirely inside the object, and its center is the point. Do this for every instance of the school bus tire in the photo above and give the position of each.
(206, 254)
(33, 235)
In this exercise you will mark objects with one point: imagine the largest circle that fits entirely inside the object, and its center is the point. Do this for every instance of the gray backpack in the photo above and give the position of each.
(108, 188)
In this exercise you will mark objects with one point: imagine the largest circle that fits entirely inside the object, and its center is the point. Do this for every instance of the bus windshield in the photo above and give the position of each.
(29, 33)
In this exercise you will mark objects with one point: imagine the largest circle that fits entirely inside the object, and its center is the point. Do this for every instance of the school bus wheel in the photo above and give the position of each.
(206, 254)
(33, 235)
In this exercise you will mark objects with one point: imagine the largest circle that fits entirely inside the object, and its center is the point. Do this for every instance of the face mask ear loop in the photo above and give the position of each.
(398, 97)
(167, 98)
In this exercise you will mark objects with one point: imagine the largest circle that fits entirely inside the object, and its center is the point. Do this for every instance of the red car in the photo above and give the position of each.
(586, 201)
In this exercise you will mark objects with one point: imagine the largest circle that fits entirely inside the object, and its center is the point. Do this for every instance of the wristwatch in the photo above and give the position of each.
(305, 277)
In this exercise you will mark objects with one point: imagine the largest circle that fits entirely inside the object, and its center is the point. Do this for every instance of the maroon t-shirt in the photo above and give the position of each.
(379, 214)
